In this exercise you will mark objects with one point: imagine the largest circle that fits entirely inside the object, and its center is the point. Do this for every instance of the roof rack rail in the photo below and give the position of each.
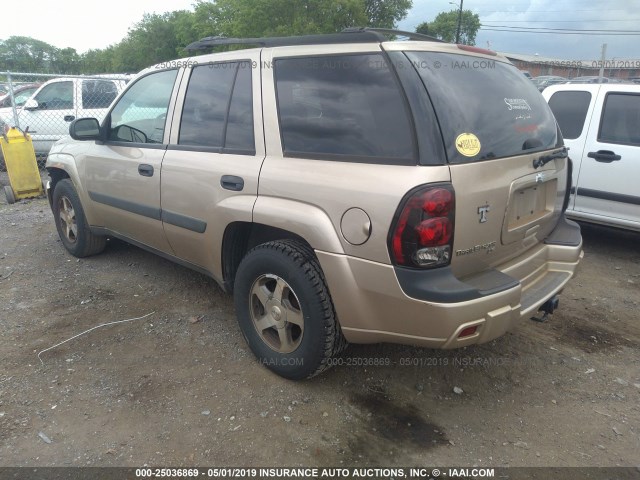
(397, 33)
(348, 35)
(332, 38)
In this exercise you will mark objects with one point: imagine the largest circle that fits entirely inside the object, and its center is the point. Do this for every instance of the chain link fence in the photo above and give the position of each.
(44, 105)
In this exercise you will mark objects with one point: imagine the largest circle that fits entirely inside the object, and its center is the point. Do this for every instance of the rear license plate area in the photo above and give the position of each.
(529, 205)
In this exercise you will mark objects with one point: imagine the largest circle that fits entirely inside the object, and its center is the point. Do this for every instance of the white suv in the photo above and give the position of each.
(48, 113)
(601, 126)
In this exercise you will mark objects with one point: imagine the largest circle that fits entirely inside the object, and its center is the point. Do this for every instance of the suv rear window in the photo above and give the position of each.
(487, 109)
(343, 107)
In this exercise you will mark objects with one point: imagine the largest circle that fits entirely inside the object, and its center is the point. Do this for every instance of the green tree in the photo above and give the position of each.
(386, 13)
(445, 26)
(423, 28)
(26, 54)
(258, 18)
(65, 60)
(98, 60)
(156, 38)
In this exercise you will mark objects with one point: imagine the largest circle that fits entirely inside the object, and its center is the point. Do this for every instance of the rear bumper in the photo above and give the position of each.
(373, 306)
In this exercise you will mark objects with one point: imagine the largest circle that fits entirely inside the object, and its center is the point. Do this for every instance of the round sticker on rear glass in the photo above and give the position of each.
(468, 144)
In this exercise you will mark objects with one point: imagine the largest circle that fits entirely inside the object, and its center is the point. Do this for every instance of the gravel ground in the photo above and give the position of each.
(181, 388)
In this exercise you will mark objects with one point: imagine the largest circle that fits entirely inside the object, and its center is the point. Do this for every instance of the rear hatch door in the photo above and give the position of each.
(495, 126)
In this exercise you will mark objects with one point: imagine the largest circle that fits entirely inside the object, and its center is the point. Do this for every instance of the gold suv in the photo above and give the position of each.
(343, 187)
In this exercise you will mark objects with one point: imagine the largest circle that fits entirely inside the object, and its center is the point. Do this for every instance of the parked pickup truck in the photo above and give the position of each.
(601, 126)
(58, 102)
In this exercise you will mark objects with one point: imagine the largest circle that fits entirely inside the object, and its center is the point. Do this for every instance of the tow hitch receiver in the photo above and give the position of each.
(547, 308)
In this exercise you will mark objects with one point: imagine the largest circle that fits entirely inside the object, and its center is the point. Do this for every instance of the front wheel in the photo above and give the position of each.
(72, 224)
(285, 311)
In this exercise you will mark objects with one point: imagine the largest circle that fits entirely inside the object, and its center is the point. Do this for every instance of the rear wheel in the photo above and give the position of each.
(285, 311)
(8, 192)
(72, 224)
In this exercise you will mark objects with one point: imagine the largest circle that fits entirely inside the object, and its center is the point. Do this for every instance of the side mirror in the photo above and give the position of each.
(31, 104)
(85, 129)
(125, 133)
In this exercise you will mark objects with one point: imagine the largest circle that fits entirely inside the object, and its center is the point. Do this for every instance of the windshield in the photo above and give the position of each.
(487, 109)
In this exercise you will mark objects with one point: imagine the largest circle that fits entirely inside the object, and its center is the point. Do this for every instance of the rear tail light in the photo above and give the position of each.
(422, 234)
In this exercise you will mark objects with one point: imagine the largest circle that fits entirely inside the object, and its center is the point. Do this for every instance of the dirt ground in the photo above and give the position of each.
(181, 388)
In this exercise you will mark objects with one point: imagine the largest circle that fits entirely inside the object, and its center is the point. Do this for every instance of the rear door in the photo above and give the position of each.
(607, 183)
(210, 171)
(573, 110)
(494, 124)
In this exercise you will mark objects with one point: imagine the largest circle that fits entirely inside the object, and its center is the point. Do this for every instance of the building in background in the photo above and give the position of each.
(622, 68)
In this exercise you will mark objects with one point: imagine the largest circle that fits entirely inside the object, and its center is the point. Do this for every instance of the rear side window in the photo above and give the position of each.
(620, 119)
(487, 109)
(570, 110)
(98, 93)
(343, 107)
(218, 108)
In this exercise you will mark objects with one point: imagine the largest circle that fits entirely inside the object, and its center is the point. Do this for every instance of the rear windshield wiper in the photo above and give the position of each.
(543, 160)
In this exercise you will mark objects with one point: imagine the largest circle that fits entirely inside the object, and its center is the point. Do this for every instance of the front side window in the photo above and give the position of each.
(620, 119)
(56, 96)
(141, 113)
(218, 108)
(98, 93)
(343, 107)
(570, 110)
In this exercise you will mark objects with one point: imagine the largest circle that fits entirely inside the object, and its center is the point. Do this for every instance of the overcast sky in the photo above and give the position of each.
(84, 24)
(556, 14)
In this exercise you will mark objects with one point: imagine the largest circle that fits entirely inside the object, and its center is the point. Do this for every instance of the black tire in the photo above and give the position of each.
(72, 224)
(8, 192)
(282, 283)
